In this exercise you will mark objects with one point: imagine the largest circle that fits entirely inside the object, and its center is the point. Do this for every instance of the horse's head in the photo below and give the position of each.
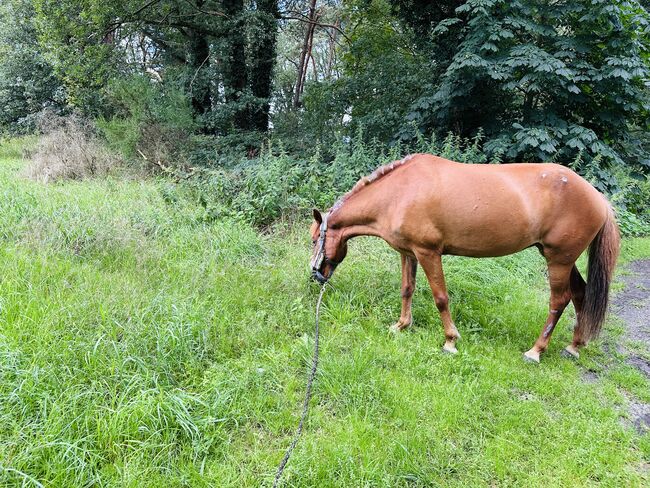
(329, 248)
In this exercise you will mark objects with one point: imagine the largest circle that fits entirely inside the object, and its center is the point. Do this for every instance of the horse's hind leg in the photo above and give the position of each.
(409, 268)
(578, 286)
(431, 263)
(558, 276)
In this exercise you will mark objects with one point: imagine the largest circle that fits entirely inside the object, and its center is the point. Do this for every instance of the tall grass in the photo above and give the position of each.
(143, 345)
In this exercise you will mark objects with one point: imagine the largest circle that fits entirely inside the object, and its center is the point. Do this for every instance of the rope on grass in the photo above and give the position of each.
(305, 406)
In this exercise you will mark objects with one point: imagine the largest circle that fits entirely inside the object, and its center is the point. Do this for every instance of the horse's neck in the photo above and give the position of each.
(356, 218)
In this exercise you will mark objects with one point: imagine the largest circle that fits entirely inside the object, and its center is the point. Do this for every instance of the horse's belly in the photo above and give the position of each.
(501, 249)
(497, 238)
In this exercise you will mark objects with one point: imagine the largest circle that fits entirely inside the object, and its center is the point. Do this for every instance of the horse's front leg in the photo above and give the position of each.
(409, 268)
(431, 263)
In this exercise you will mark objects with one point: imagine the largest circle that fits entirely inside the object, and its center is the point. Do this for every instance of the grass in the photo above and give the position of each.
(142, 345)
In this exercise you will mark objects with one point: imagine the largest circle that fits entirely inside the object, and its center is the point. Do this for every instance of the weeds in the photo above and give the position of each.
(265, 189)
(68, 149)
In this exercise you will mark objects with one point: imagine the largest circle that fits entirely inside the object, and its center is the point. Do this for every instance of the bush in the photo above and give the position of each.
(151, 122)
(627, 190)
(68, 149)
(632, 225)
(632, 202)
(276, 184)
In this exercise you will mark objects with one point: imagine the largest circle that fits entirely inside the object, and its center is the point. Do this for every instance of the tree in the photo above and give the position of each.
(223, 52)
(76, 39)
(27, 82)
(546, 81)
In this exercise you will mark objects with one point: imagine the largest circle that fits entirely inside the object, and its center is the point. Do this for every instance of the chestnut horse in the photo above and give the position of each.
(425, 206)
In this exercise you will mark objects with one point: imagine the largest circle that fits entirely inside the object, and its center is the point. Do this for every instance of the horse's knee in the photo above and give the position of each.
(442, 301)
(407, 291)
(560, 300)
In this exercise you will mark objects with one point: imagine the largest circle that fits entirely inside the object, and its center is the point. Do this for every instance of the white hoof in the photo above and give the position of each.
(399, 326)
(449, 348)
(531, 357)
(570, 352)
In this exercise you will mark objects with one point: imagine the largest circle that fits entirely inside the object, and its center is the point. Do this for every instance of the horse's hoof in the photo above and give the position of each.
(531, 357)
(399, 326)
(570, 353)
(449, 349)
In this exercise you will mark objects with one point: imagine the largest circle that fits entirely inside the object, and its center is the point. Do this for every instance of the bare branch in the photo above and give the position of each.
(319, 24)
(197, 72)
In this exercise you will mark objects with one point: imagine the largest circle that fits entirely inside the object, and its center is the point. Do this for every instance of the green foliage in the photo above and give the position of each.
(76, 38)
(381, 73)
(545, 80)
(632, 225)
(153, 118)
(277, 184)
(189, 83)
(27, 83)
(627, 190)
(222, 52)
(632, 204)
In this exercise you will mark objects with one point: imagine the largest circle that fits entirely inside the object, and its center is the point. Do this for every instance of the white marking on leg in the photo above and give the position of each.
(549, 329)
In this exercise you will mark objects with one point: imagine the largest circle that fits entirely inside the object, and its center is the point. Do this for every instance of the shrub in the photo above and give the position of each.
(276, 184)
(628, 190)
(151, 122)
(68, 149)
(632, 202)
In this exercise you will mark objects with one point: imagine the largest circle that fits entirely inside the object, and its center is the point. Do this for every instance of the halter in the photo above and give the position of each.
(321, 257)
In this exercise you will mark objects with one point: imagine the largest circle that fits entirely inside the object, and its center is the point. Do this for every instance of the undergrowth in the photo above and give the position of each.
(277, 184)
(69, 149)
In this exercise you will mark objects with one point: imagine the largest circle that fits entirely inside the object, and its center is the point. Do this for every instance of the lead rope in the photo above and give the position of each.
(305, 406)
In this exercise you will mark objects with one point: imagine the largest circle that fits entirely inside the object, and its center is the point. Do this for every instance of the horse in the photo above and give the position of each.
(426, 206)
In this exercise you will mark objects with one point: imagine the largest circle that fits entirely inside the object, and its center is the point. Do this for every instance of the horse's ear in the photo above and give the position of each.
(317, 216)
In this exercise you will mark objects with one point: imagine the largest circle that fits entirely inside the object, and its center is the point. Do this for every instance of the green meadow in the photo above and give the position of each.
(144, 344)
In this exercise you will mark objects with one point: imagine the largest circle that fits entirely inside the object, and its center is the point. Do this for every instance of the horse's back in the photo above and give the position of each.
(487, 209)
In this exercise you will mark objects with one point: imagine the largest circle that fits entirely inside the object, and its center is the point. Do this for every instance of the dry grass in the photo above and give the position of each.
(68, 150)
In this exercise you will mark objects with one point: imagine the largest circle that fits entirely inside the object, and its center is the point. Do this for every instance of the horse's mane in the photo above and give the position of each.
(372, 177)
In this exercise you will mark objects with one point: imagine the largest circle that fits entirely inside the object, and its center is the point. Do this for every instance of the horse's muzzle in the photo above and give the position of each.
(316, 275)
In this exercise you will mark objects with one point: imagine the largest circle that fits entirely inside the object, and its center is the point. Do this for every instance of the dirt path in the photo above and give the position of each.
(632, 305)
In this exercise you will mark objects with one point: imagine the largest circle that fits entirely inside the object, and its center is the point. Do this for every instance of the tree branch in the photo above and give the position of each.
(318, 24)
(197, 72)
(129, 17)
(206, 12)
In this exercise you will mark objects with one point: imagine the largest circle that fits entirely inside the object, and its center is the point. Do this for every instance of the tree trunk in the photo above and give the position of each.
(262, 59)
(304, 53)
(332, 49)
(234, 71)
(200, 82)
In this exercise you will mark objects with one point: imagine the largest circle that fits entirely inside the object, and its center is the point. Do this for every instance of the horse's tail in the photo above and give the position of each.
(603, 252)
